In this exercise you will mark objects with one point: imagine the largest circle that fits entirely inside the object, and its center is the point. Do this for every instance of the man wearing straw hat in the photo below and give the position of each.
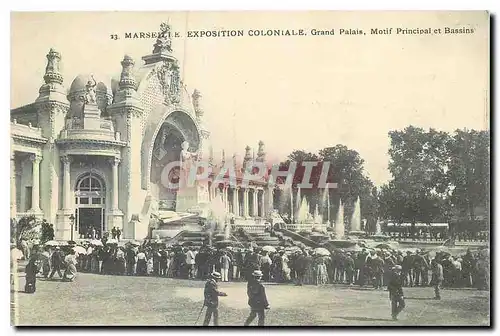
(212, 299)
(257, 299)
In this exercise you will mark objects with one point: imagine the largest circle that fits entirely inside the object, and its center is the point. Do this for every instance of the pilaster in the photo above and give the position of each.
(127, 112)
(52, 107)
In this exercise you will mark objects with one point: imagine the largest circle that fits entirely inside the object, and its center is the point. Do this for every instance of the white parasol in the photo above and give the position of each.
(80, 250)
(52, 243)
(269, 248)
(322, 251)
(96, 242)
(111, 241)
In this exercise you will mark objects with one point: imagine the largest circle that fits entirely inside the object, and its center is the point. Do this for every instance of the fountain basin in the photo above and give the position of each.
(340, 243)
(357, 233)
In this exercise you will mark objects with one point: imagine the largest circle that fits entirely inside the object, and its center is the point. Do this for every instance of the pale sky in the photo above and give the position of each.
(295, 92)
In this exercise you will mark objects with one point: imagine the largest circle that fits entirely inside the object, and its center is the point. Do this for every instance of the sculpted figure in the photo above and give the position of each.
(187, 158)
(90, 94)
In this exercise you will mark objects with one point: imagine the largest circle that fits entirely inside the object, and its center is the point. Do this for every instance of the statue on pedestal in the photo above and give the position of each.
(90, 91)
(187, 159)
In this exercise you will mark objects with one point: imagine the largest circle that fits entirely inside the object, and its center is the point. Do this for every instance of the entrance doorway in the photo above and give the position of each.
(90, 219)
(90, 197)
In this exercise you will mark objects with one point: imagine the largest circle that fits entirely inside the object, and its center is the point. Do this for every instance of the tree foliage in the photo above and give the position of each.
(346, 169)
(435, 174)
(26, 228)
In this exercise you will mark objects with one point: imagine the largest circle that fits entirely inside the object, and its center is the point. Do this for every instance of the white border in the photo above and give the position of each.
(100, 5)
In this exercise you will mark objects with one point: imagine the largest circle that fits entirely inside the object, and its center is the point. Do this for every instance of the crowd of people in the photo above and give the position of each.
(438, 236)
(308, 266)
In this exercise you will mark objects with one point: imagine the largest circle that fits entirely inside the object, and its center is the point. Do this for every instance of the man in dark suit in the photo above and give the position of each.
(437, 278)
(57, 262)
(395, 288)
(212, 299)
(257, 299)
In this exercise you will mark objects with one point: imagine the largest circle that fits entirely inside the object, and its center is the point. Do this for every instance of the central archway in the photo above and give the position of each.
(165, 128)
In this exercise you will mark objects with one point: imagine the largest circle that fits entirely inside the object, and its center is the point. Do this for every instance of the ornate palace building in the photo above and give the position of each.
(91, 157)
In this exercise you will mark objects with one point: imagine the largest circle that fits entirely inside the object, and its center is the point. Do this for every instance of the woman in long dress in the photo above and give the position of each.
(321, 271)
(94, 260)
(141, 263)
(45, 258)
(285, 268)
(70, 261)
(120, 261)
(31, 271)
(170, 264)
(309, 273)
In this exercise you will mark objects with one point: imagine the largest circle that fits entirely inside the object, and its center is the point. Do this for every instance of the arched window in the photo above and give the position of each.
(90, 189)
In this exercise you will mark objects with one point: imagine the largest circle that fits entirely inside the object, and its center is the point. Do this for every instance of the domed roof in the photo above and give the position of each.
(80, 82)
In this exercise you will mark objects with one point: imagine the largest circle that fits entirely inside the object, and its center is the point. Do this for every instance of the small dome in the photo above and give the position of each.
(101, 87)
(80, 82)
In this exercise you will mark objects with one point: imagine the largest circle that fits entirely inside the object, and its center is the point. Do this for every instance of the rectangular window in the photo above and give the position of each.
(28, 198)
(84, 200)
(76, 200)
(96, 200)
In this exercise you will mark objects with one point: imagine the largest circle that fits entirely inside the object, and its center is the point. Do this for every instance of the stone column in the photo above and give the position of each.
(13, 192)
(114, 164)
(235, 202)
(261, 202)
(254, 200)
(35, 188)
(66, 182)
(245, 202)
(225, 194)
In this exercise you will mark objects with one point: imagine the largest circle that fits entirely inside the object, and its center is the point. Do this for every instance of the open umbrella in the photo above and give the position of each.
(269, 248)
(111, 241)
(79, 250)
(52, 243)
(383, 246)
(322, 251)
(135, 243)
(96, 242)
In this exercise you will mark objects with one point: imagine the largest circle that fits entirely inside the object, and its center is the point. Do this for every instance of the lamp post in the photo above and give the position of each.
(72, 223)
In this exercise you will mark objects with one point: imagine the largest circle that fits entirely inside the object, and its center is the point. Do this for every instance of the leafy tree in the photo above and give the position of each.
(26, 228)
(419, 164)
(469, 172)
(47, 233)
(346, 169)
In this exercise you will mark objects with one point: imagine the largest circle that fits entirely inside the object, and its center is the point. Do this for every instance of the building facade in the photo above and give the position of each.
(92, 156)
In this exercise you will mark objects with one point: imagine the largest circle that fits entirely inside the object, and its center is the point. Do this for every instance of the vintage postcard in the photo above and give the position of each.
(318, 168)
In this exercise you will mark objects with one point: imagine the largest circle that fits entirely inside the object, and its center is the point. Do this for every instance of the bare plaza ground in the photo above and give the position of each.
(151, 301)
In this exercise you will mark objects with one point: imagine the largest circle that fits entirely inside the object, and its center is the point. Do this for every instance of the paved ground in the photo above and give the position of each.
(114, 300)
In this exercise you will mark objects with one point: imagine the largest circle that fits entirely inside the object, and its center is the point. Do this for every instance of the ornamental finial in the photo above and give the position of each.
(164, 41)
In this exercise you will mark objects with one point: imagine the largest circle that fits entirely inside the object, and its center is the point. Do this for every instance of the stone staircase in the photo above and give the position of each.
(264, 239)
(194, 238)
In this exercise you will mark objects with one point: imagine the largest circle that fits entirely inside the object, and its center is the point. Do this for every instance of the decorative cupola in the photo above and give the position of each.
(127, 87)
(261, 154)
(53, 89)
(248, 157)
